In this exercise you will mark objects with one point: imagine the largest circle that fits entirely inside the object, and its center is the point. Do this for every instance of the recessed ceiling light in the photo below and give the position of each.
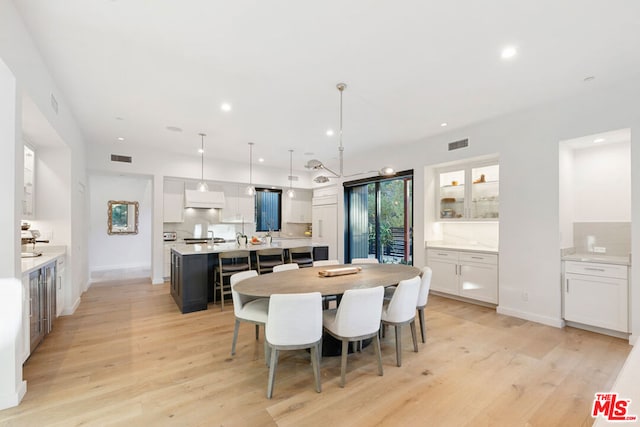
(308, 153)
(173, 129)
(509, 52)
(120, 138)
(261, 160)
(330, 132)
(443, 124)
(598, 140)
(225, 107)
(200, 151)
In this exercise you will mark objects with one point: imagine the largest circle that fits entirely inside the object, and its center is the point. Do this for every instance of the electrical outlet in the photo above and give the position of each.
(599, 250)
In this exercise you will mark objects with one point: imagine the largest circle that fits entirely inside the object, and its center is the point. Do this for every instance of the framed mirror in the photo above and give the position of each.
(122, 217)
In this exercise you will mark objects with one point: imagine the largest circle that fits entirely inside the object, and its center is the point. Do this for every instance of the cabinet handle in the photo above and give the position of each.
(477, 257)
(320, 228)
(441, 254)
(30, 306)
(567, 280)
(594, 269)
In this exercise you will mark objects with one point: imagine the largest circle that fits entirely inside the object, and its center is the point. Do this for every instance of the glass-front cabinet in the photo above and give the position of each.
(469, 192)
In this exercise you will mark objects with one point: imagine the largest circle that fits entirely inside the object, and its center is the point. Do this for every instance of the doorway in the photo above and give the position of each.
(379, 219)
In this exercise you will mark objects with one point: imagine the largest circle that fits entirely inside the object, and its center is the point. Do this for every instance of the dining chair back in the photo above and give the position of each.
(229, 263)
(294, 322)
(266, 259)
(401, 310)
(285, 267)
(356, 318)
(326, 262)
(364, 261)
(245, 308)
(303, 256)
(423, 297)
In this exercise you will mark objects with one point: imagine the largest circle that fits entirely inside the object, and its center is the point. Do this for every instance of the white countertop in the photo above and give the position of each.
(31, 264)
(604, 259)
(226, 247)
(462, 247)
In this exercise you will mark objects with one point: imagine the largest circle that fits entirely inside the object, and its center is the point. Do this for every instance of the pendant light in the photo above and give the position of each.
(290, 192)
(251, 190)
(202, 185)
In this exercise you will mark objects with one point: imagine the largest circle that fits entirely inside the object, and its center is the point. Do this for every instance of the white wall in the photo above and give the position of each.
(602, 183)
(566, 195)
(115, 252)
(528, 146)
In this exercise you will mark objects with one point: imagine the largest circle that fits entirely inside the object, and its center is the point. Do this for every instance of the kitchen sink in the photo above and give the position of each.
(30, 254)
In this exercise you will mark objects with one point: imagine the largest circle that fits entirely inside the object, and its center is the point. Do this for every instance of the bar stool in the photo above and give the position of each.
(268, 258)
(229, 263)
(303, 256)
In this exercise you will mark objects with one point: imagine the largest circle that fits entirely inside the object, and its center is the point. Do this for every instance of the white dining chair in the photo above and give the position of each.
(356, 318)
(247, 309)
(294, 322)
(326, 262)
(401, 310)
(285, 267)
(364, 261)
(423, 297)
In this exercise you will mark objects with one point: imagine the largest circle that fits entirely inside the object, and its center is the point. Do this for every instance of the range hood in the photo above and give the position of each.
(203, 199)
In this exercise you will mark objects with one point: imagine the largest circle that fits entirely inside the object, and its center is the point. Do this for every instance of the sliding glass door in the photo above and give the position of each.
(379, 216)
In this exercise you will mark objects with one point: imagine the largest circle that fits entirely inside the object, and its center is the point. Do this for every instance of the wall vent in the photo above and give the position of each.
(293, 178)
(54, 103)
(119, 158)
(459, 144)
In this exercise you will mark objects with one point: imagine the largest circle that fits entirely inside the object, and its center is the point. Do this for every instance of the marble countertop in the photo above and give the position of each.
(462, 247)
(31, 264)
(604, 259)
(226, 247)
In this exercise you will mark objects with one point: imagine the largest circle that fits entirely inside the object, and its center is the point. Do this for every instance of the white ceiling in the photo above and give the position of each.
(409, 66)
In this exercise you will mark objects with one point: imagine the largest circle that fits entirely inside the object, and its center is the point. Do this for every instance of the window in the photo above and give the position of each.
(268, 209)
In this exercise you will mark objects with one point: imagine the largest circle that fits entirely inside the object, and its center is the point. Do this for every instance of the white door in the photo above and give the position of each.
(325, 227)
(596, 301)
(479, 281)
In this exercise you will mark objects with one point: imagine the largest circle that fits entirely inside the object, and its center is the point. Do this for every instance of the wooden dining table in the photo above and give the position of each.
(308, 280)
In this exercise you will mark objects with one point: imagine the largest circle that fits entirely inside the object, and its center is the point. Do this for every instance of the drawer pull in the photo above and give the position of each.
(441, 254)
(594, 269)
(477, 257)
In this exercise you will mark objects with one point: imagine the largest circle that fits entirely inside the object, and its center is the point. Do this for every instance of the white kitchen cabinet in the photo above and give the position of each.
(238, 209)
(28, 192)
(596, 294)
(300, 211)
(167, 259)
(468, 274)
(173, 202)
(325, 226)
(468, 192)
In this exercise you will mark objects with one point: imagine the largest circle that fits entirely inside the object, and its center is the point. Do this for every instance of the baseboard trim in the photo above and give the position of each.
(545, 320)
(13, 399)
(70, 311)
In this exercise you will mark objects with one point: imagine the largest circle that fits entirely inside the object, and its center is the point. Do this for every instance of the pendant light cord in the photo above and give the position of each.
(202, 157)
(341, 87)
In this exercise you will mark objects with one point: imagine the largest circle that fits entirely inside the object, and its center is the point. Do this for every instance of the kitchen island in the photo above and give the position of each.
(193, 269)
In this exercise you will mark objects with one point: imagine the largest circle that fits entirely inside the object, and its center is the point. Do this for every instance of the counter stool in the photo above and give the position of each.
(229, 263)
(303, 256)
(268, 258)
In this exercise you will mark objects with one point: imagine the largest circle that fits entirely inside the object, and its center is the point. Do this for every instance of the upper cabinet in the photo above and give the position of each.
(469, 192)
(298, 209)
(28, 211)
(173, 202)
(238, 207)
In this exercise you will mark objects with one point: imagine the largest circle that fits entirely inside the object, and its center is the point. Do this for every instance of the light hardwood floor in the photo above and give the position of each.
(128, 357)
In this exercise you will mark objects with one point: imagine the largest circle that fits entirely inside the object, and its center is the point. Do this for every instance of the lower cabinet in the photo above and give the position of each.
(190, 281)
(467, 274)
(596, 294)
(39, 306)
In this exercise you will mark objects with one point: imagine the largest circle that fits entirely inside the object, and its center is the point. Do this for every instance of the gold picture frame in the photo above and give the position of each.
(122, 217)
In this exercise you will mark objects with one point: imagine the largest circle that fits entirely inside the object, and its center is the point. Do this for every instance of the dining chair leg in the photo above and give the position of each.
(412, 325)
(257, 332)
(398, 345)
(343, 363)
(379, 353)
(272, 372)
(315, 361)
(267, 352)
(235, 337)
(423, 332)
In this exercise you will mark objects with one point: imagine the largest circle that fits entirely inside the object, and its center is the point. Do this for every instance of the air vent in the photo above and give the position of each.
(119, 158)
(293, 178)
(458, 144)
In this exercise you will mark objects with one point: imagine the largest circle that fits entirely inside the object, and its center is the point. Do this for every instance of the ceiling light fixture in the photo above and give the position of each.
(508, 52)
(120, 138)
(316, 164)
(225, 107)
(250, 190)
(261, 160)
(598, 140)
(330, 132)
(290, 192)
(202, 185)
(444, 124)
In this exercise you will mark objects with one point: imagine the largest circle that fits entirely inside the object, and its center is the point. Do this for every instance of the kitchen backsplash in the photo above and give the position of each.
(615, 237)
(476, 233)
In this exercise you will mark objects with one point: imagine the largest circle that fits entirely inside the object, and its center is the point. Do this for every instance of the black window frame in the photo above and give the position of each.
(278, 226)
